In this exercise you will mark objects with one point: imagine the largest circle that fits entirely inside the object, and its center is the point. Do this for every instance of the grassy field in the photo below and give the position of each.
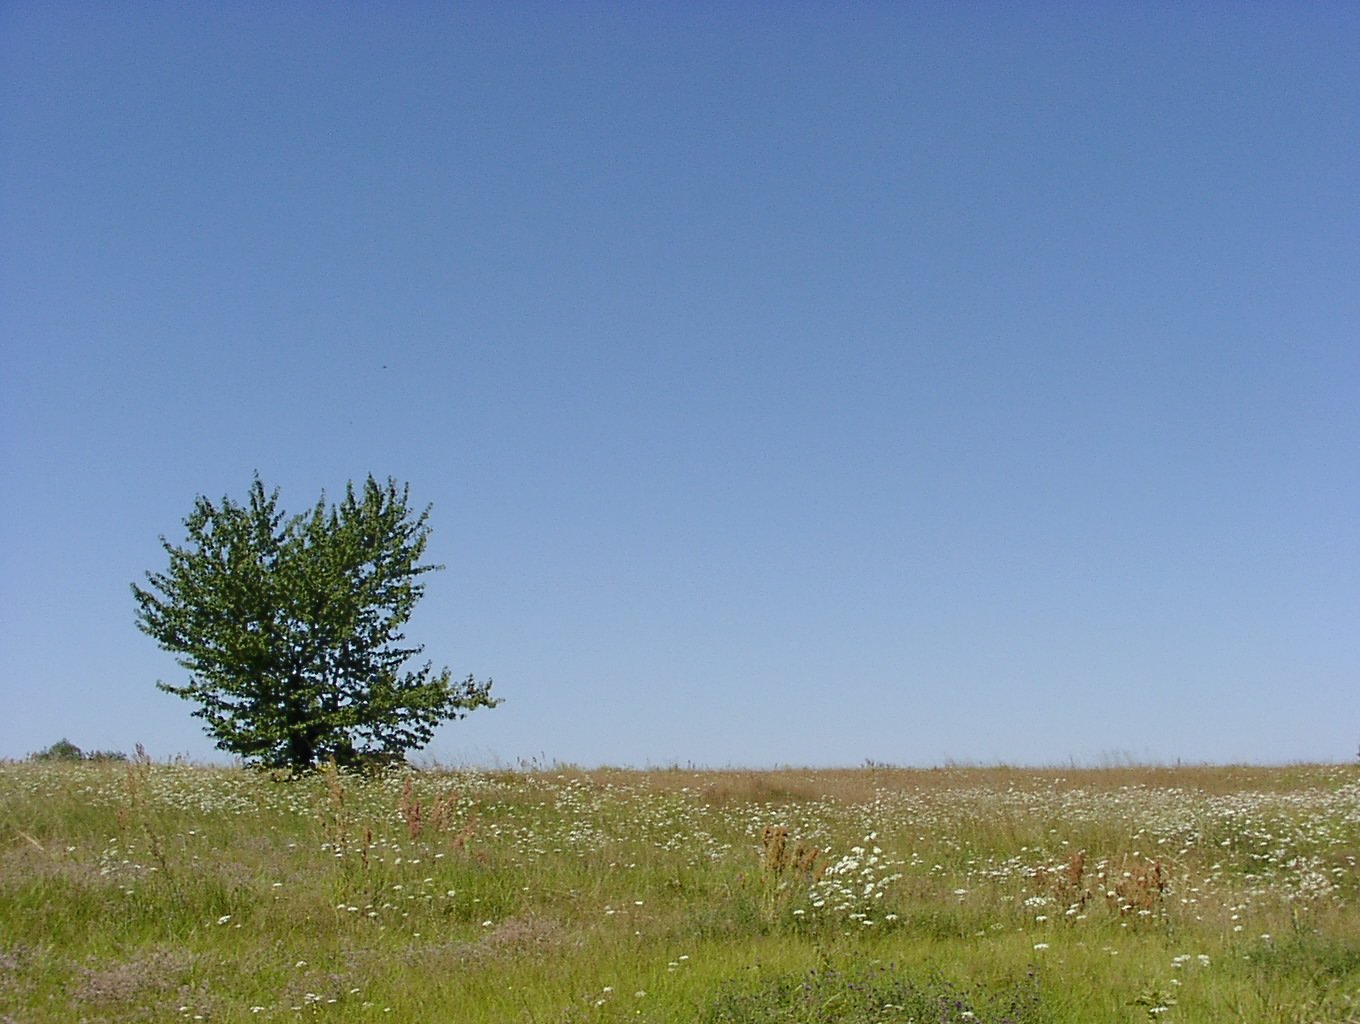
(148, 892)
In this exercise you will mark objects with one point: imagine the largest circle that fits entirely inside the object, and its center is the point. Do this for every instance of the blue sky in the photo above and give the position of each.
(798, 383)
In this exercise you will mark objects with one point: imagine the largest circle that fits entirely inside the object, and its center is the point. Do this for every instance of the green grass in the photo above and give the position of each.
(173, 893)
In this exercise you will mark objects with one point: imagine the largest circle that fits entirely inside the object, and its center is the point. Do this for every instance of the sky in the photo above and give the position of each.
(793, 384)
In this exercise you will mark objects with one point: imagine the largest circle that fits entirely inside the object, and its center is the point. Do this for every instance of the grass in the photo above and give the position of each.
(151, 893)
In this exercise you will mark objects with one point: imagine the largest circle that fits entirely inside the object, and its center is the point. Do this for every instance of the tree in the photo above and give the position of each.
(290, 628)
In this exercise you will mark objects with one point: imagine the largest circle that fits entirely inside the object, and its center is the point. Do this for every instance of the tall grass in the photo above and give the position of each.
(144, 892)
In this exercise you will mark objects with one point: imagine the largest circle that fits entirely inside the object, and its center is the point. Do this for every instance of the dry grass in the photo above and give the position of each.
(725, 787)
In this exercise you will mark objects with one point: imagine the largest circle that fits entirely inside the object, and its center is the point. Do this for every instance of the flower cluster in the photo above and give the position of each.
(853, 885)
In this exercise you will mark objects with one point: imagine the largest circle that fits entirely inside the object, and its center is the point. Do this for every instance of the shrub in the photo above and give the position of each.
(105, 756)
(62, 750)
(65, 750)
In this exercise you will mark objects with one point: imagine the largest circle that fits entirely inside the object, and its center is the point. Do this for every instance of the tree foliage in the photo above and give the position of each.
(291, 627)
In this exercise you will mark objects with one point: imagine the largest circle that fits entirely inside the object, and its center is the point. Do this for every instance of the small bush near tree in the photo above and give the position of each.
(291, 628)
(65, 750)
(105, 755)
(62, 750)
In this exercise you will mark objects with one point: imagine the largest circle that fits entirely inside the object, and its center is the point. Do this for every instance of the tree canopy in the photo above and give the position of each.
(291, 627)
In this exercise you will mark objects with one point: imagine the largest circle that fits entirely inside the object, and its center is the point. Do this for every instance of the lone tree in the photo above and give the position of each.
(290, 628)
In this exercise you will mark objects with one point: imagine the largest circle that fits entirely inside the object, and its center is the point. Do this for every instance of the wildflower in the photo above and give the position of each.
(224, 919)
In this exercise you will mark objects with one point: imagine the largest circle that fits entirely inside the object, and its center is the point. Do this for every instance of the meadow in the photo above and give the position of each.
(144, 892)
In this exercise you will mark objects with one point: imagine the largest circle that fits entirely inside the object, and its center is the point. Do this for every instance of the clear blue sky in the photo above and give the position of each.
(793, 383)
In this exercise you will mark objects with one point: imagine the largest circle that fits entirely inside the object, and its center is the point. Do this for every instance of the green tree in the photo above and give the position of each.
(291, 628)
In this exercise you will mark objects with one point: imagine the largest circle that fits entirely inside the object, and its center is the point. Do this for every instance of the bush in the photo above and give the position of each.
(62, 750)
(65, 750)
(105, 756)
